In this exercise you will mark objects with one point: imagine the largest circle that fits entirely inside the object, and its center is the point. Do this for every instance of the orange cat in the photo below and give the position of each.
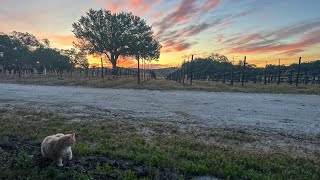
(57, 146)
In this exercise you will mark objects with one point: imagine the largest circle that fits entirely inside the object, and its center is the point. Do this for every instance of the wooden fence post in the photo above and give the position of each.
(243, 71)
(224, 76)
(191, 73)
(265, 75)
(102, 69)
(291, 77)
(306, 80)
(298, 75)
(279, 73)
(232, 75)
(138, 69)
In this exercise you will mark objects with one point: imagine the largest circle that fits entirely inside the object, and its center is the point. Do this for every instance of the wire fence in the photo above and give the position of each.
(227, 73)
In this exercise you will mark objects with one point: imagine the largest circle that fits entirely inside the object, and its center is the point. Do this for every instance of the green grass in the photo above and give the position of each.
(102, 146)
(163, 84)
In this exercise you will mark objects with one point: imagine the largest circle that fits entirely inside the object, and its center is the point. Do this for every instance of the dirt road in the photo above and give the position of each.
(291, 114)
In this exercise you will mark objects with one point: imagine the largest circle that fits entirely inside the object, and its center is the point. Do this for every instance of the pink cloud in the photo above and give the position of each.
(157, 15)
(137, 6)
(309, 39)
(175, 46)
(219, 38)
(300, 28)
(181, 14)
(292, 52)
(210, 4)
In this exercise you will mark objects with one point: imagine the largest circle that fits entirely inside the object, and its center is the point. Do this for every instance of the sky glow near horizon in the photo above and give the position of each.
(262, 30)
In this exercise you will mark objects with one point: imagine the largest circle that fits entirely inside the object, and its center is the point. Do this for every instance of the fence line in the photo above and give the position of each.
(262, 75)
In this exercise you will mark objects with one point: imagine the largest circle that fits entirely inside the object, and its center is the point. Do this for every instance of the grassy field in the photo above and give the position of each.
(163, 84)
(116, 149)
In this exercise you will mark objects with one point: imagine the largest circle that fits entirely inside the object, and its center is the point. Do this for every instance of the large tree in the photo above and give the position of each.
(144, 45)
(118, 34)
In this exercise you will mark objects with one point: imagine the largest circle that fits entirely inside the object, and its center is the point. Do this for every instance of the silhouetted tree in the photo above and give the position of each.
(101, 32)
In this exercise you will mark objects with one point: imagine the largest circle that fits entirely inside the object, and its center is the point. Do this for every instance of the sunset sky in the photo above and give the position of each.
(263, 30)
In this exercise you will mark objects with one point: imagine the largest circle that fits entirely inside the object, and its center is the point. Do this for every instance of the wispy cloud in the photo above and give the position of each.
(210, 4)
(176, 46)
(292, 52)
(295, 29)
(309, 39)
(286, 40)
(137, 6)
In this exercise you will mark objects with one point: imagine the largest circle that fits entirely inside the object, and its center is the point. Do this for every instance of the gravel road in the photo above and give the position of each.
(291, 114)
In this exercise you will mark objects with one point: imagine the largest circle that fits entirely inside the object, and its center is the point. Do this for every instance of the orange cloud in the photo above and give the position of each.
(135, 3)
(65, 40)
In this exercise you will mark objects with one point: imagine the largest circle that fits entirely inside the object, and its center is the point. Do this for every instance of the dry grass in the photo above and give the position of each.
(163, 84)
(71, 81)
(257, 88)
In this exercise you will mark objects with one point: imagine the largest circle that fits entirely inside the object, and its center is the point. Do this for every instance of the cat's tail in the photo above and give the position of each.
(59, 135)
(42, 150)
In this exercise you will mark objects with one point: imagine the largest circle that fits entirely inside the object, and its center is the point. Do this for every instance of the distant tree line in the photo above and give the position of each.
(23, 51)
(218, 68)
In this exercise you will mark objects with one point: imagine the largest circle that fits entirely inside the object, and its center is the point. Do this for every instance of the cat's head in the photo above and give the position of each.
(70, 139)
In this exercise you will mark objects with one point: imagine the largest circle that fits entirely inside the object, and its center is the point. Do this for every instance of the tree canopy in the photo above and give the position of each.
(117, 34)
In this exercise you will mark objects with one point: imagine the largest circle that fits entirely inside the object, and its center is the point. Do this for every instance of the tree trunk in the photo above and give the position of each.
(114, 70)
(114, 64)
